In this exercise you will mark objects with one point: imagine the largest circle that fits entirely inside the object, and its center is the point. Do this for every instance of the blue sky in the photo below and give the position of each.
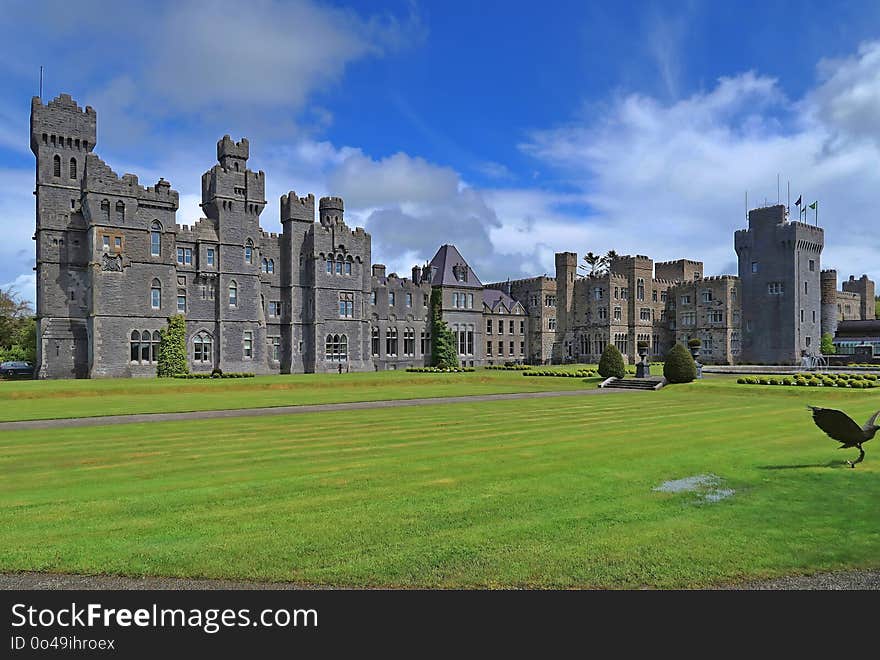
(514, 130)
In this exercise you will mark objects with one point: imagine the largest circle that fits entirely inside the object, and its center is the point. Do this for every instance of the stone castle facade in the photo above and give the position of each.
(112, 265)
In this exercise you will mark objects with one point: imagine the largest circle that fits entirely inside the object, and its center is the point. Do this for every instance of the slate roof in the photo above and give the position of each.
(442, 265)
(495, 300)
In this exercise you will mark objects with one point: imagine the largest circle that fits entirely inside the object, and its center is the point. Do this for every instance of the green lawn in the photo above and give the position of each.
(530, 493)
(60, 399)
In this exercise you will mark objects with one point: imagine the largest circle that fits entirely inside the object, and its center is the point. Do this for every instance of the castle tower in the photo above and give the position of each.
(865, 290)
(828, 279)
(331, 211)
(297, 283)
(62, 134)
(639, 273)
(781, 286)
(566, 271)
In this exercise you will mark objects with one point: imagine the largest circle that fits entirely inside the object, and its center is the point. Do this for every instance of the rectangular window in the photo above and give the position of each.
(117, 242)
(599, 293)
(248, 344)
(603, 313)
(500, 348)
(511, 349)
(802, 316)
(372, 297)
(645, 313)
(181, 304)
(617, 314)
(425, 300)
(105, 243)
(188, 256)
(551, 324)
(348, 268)
(550, 301)
(276, 349)
(812, 265)
(522, 348)
(707, 296)
(775, 288)
(663, 296)
(179, 254)
(686, 300)
(346, 305)
(470, 301)
(488, 326)
(522, 327)
(716, 316)
(500, 326)
(409, 300)
(488, 348)
(210, 255)
(510, 327)
(754, 266)
(155, 298)
(391, 298)
(806, 288)
(274, 308)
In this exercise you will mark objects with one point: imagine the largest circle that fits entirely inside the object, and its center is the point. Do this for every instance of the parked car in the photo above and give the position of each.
(16, 369)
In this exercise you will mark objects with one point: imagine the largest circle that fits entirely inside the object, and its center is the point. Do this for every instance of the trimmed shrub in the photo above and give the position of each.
(172, 360)
(679, 366)
(611, 363)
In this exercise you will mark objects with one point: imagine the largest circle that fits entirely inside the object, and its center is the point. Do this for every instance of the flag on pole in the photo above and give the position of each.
(814, 205)
(798, 202)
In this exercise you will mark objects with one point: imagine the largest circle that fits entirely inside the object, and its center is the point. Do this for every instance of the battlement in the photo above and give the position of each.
(717, 278)
(99, 178)
(61, 123)
(524, 280)
(634, 258)
(297, 208)
(828, 272)
(661, 280)
(331, 203)
(203, 229)
(228, 149)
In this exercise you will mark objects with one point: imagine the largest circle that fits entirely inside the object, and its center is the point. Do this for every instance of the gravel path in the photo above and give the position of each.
(843, 580)
(288, 410)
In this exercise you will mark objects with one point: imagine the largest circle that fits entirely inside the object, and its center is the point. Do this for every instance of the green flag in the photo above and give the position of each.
(814, 205)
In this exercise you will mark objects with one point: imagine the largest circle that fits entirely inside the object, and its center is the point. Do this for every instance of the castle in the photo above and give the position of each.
(112, 265)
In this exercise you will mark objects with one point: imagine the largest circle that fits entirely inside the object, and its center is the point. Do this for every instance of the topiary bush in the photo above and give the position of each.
(679, 366)
(611, 363)
(172, 360)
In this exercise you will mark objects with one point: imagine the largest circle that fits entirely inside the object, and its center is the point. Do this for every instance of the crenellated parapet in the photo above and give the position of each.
(99, 178)
(301, 209)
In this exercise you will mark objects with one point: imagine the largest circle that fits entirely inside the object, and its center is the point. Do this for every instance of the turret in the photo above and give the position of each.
(330, 211)
(301, 209)
(828, 287)
(233, 155)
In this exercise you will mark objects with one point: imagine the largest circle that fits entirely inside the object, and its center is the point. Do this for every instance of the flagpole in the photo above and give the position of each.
(789, 199)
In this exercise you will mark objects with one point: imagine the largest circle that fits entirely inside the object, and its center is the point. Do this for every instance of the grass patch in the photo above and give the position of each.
(60, 399)
(529, 493)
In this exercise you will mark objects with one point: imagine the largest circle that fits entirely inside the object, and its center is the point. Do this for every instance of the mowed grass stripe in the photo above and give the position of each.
(514, 493)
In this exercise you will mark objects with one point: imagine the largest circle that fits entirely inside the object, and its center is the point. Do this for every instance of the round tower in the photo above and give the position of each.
(828, 287)
(330, 211)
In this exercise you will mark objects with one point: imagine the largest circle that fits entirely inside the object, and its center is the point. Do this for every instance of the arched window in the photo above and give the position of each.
(236, 166)
(120, 212)
(336, 348)
(348, 266)
(343, 347)
(391, 342)
(329, 263)
(339, 262)
(203, 347)
(374, 345)
(56, 165)
(264, 266)
(271, 266)
(156, 294)
(249, 252)
(105, 209)
(135, 346)
(73, 168)
(233, 294)
(145, 347)
(155, 238)
(154, 347)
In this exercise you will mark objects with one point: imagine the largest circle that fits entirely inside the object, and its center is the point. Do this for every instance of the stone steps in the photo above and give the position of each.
(646, 384)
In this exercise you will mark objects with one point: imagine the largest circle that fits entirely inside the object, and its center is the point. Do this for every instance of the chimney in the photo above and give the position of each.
(378, 270)
(507, 288)
(416, 275)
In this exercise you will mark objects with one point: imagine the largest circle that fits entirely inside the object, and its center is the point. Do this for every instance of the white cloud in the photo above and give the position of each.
(668, 179)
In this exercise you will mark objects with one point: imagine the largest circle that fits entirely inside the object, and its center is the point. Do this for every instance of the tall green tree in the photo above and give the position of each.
(172, 348)
(827, 345)
(444, 353)
(18, 328)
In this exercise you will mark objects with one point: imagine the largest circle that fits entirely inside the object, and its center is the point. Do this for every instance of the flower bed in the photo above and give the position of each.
(583, 373)
(229, 374)
(855, 381)
(438, 370)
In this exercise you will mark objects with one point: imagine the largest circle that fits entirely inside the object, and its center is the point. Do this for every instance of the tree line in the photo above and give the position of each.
(18, 328)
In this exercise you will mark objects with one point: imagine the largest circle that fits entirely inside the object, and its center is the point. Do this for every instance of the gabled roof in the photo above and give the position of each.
(499, 302)
(444, 266)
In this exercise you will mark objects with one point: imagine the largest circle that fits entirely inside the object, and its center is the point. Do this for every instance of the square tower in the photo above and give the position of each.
(781, 287)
